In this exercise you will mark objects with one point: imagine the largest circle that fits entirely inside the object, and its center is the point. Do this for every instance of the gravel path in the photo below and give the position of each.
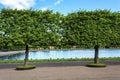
(62, 71)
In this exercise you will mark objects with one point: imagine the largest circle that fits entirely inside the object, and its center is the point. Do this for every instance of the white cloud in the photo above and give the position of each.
(51, 6)
(44, 8)
(19, 4)
(58, 2)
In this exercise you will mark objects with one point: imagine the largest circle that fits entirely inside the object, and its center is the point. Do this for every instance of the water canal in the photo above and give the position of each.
(54, 54)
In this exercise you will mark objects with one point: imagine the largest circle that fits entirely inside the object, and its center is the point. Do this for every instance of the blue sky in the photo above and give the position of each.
(63, 6)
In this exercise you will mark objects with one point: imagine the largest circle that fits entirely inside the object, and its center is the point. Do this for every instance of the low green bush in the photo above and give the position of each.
(96, 65)
(25, 67)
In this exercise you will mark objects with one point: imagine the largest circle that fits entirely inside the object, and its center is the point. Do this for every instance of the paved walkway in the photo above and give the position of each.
(75, 70)
(10, 53)
(62, 71)
(57, 64)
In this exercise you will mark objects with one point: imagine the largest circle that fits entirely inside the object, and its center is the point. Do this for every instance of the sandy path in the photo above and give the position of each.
(111, 72)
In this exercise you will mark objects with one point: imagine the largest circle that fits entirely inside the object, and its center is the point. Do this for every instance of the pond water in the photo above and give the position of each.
(54, 54)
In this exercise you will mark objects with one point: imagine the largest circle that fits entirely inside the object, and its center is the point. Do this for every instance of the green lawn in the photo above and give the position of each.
(59, 60)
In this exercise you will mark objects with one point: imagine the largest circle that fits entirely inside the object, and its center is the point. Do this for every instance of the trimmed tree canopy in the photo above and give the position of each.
(36, 28)
(45, 28)
(91, 28)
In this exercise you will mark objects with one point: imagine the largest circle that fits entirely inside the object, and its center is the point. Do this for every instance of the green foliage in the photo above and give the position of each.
(45, 28)
(90, 28)
(32, 27)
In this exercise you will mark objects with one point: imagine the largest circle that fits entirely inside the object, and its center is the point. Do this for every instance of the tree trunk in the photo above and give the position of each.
(26, 55)
(96, 54)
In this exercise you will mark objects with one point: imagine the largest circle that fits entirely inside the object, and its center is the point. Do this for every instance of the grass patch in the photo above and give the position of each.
(27, 67)
(110, 58)
(60, 60)
(47, 60)
(96, 65)
(11, 61)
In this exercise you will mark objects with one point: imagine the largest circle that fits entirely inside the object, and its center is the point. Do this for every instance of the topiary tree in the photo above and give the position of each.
(91, 29)
(30, 28)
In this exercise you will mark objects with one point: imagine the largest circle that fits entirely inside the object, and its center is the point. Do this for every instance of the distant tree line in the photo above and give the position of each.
(41, 29)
